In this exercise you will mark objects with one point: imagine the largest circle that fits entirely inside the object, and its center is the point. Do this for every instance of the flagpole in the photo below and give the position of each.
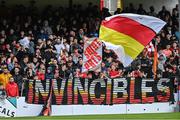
(155, 63)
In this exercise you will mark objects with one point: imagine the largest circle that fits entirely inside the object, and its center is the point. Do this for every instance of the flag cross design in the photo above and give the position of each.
(92, 48)
(92, 55)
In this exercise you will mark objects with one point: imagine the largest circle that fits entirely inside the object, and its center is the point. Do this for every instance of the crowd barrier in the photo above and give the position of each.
(104, 96)
(100, 91)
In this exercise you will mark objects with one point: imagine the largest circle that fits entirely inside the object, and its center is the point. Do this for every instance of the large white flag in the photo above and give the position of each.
(92, 55)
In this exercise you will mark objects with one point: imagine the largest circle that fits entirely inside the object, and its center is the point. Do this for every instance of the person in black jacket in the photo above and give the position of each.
(18, 78)
(63, 72)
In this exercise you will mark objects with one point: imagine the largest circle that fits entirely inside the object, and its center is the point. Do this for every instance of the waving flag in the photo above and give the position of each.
(131, 32)
(92, 55)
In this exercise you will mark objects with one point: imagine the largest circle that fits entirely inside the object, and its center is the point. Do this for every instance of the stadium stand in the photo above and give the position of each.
(49, 44)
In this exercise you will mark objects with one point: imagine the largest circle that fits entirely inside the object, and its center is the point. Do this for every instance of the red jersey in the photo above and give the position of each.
(114, 74)
(41, 76)
(136, 73)
(12, 89)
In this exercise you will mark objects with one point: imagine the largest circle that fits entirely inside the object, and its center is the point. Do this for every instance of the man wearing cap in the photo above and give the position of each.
(4, 77)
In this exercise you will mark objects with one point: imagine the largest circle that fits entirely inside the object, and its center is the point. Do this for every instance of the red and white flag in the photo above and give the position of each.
(92, 55)
(131, 32)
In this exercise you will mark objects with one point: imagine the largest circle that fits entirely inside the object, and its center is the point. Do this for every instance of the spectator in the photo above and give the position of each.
(114, 73)
(36, 63)
(141, 10)
(103, 67)
(75, 46)
(18, 78)
(118, 11)
(105, 13)
(137, 73)
(59, 46)
(161, 62)
(23, 63)
(131, 8)
(31, 47)
(64, 73)
(49, 53)
(76, 56)
(47, 29)
(42, 35)
(108, 62)
(12, 88)
(152, 11)
(40, 73)
(163, 13)
(30, 71)
(11, 62)
(24, 42)
(167, 52)
(50, 73)
(145, 65)
(4, 77)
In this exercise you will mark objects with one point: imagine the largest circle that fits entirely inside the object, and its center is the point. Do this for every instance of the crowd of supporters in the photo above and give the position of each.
(48, 44)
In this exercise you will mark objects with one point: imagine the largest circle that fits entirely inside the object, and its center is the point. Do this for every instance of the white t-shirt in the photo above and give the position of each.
(24, 42)
(59, 47)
